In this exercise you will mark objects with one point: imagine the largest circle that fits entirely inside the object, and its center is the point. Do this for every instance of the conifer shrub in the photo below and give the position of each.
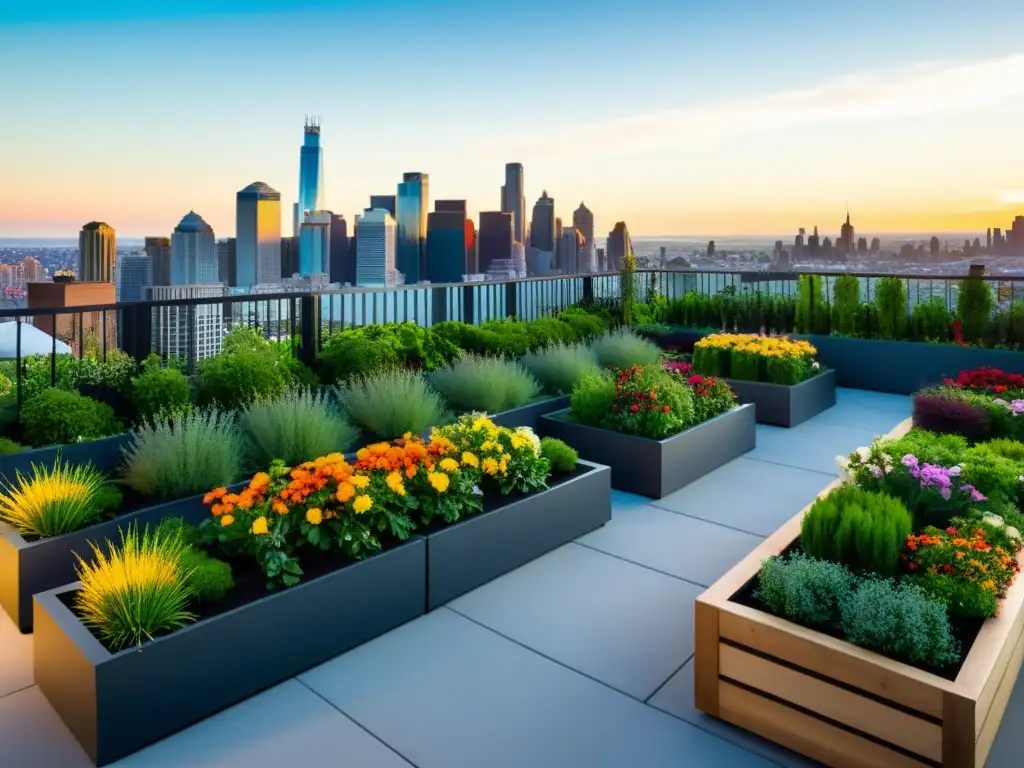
(845, 309)
(891, 306)
(974, 303)
(804, 590)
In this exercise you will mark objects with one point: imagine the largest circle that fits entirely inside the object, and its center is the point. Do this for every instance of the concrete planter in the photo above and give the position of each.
(787, 406)
(117, 703)
(105, 454)
(656, 468)
(527, 415)
(483, 547)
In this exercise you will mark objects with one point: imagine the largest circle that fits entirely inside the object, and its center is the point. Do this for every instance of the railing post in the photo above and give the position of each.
(309, 328)
(511, 307)
(468, 303)
(588, 288)
(438, 305)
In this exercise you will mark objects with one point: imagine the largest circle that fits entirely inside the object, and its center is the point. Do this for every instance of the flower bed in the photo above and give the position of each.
(884, 621)
(981, 404)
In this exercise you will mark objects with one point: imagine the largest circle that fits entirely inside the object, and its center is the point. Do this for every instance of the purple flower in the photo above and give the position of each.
(976, 495)
(910, 460)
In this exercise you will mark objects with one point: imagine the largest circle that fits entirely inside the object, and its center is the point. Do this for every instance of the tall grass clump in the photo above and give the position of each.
(133, 592)
(297, 427)
(622, 348)
(487, 384)
(55, 500)
(560, 366)
(392, 402)
(180, 455)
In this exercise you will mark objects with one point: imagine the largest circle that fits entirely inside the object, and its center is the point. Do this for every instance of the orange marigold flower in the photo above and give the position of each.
(259, 480)
(226, 520)
(345, 492)
(279, 507)
(360, 481)
(216, 493)
(314, 516)
(217, 510)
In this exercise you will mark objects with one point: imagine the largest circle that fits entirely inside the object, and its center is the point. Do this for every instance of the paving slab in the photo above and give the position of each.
(15, 658)
(875, 411)
(1008, 748)
(32, 736)
(812, 446)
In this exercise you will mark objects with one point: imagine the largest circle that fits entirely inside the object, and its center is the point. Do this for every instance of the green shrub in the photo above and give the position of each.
(487, 384)
(59, 417)
(805, 591)
(545, 331)
(891, 307)
(229, 382)
(974, 304)
(897, 619)
(963, 599)
(747, 365)
(585, 325)
(8, 446)
(513, 338)
(560, 455)
(456, 336)
(622, 348)
(159, 390)
(390, 403)
(178, 526)
(846, 307)
(38, 371)
(352, 353)
(208, 578)
(592, 398)
(56, 500)
(115, 372)
(993, 468)
(1010, 323)
(930, 320)
(299, 426)
(862, 530)
(176, 456)
(812, 311)
(929, 447)
(559, 367)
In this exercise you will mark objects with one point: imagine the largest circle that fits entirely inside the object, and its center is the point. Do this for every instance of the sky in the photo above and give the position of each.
(731, 117)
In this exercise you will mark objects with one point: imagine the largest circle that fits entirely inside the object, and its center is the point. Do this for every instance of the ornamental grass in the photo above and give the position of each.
(560, 366)
(490, 384)
(622, 348)
(55, 500)
(390, 403)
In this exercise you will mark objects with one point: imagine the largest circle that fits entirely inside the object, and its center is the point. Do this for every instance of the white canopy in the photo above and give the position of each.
(33, 341)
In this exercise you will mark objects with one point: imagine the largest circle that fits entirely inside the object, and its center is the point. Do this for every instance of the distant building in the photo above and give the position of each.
(134, 277)
(583, 220)
(602, 260)
(74, 327)
(375, 249)
(193, 252)
(934, 245)
(571, 248)
(289, 256)
(519, 260)
(862, 245)
(988, 239)
(542, 224)
(711, 248)
(387, 202)
(876, 245)
(513, 200)
(315, 244)
(618, 245)
(446, 206)
(559, 264)
(311, 174)
(494, 238)
(446, 246)
(195, 331)
(412, 204)
(227, 262)
(33, 269)
(846, 237)
(341, 269)
(258, 233)
(97, 253)
(159, 251)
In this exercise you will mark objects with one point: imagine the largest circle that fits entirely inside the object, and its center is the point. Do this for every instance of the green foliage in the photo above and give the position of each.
(58, 417)
(974, 304)
(56, 500)
(158, 390)
(805, 591)
(650, 402)
(545, 331)
(487, 384)
(898, 619)
(622, 348)
(37, 371)
(846, 305)
(747, 365)
(8, 446)
(208, 579)
(963, 599)
(627, 288)
(994, 468)
(176, 456)
(178, 526)
(592, 398)
(930, 320)
(891, 306)
(462, 336)
(862, 530)
(231, 381)
(390, 403)
(115, 371)
(513, 338)
(1010, 323)
(812, 311)
(353, 352)
(559, 454)
(558, 367)
(585, 325)
(299, 426)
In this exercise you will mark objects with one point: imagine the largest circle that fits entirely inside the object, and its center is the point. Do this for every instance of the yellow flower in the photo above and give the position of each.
(259, 526)
(226, 520)
(490, 466)
(519, 442)
(439, 480)
(503, 466)
(395, 483)
(449, 465)
(314, 516)
(362, 504)
(482, 423)
(489, 445)
(470, 460)
(359, 481)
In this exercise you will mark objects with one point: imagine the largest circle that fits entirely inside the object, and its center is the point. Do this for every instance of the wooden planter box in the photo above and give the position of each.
(656, 468)
(788, 406)
(842, 705)
(104, 454)
(117, 703)
(528, 415)
(483, 547)
(29, 567)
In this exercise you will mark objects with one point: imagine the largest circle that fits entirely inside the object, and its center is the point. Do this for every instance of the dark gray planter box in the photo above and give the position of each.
(117, 703)
(483, 547)
(527, 415)
(678, 337)
(904, 367)
(29, 567)
(786, 406)
(104, 454)
(656, 468)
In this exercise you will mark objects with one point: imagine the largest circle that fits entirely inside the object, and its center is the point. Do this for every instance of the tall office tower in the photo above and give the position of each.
(572, 245)
(258, 231)
(33, 269)
(814, 242)
(876, 245)
(227, 262)
(97, 253)
(446, 246)
(495, 238)
(193, 252)
(443, 206)
(513, 200)
(519, 259)
(387, 202)
(315, 244)
(311, 174)
(602, 260)
(187, 332)
(289, 256)
(472, 258)
(846, 238)
(338, 263)
(134, 277)
(412, 203)
(375, 249)
(997, 240)
(558, 262)
(862, 245)
(1016, 236)
(988, 239)
(583, 220)
(542, 224)
(618, 246)
(159, 251)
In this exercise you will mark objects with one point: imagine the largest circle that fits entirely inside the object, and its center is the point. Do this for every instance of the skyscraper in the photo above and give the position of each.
(495, 239)
(159, 251)
(846, 238)
(375, 249)
(387, 202)
(571, 251)
(558, 243)
(339, 266)
(442, 206)
(289, 256)
(583, 220)
(513, 200)
(97, 253)
(33, 269)
(183, 331)
(618, 246)
(412, 202)
(315, 244)
(227, 262)
(134, 277)
(258, 235)
(193, 252)
(446, 246)
(311, 174)
(542, 224)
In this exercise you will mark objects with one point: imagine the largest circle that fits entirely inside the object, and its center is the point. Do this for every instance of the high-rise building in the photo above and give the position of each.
(444, 206)
(387, 202)
(876, 245)
(97, 253)
(227, 262)
(933, 246)
(446, 246)
(375, 249)
(513, 200)
(315, 244)
(33, 269)
(338, 262)
(311, 174)
(412, 204)
(159, 251)
(1015, 236)
(495, 238)
(583, 220)
(193, 252)
(195, 331)
(846, 238)
(289, 256)
(618, 246)
(571, 243)
(862, 245)
(542, 224)
(134, 277)
(558, 244)
(988, 239)
(602, 260)
(258, 235)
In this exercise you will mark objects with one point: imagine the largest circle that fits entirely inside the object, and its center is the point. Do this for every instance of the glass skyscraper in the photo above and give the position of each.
(375, 249)
(315, 244)
(258, 236)
(446, 246)
(311, 174)
(193, 252)
(411, 217)
(495, 238)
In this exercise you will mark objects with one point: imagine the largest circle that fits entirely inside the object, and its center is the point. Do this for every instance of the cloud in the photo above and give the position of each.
(1011, 197)
(916, 91)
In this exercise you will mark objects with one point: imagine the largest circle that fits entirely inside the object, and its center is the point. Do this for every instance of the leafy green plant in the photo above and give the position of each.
(115, 372)
(650, 402)
(558, 367)
(393, 402)
(58, 417)
(158, 390)
(133, 592)
(460, 337)
(592, 398)
(891, 306)
(963, 599)
(545, 331)
(488, 384)
(56, 500)
(1010, 323)
(208, 578)
(559, 454)
(862, 530)
(846, 306)
(175, 456)
(974, 304)
(585, 325)
(627, 282)
(622, 348)
(8, 446)
(994, 468)
(930, 320)
(805, 591)
(229, 382)
(510, 337)
(299, 426)
(812, 311)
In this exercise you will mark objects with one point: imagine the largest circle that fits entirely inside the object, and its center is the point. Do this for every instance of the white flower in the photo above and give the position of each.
(864, 453)
(842, 462)
(994, 520)
(529, 435)
(1012, 532)
(815, 365)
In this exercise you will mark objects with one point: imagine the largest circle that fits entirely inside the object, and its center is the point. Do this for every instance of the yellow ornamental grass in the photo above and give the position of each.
(57, 500)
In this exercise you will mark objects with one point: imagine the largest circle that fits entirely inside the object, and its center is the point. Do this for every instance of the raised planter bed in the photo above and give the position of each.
(483, 547)
(683, 338)
(117, 703)
(29, 567)
(656, 468)
(527, 415)
(787, 406)
(840, 704)
(104, 454)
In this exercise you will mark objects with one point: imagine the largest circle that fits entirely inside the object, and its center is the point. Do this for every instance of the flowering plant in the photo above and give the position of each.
(975, 552)
(986, 379)
(1016, 407)
(776, 359)
(712, 397)
(679, 367)
(507, 459)
(649, 402)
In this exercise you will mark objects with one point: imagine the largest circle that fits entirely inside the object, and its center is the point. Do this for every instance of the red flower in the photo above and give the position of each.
(665, 409)
(653, 395)
(696, 379)
(634, 408)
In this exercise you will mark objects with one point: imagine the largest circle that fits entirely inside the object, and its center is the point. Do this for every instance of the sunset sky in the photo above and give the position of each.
(679, 117)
